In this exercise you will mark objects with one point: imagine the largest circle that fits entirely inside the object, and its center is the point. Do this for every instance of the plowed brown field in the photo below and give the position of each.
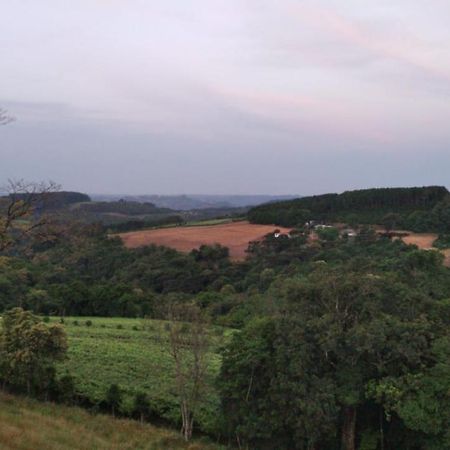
(234, 235)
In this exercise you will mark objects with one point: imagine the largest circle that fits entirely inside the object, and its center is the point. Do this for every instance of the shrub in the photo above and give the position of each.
(120, 326)
(442, 242)
(141, 407)
(113, 398)
(88, 323)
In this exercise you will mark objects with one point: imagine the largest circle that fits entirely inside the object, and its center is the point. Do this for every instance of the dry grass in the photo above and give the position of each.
(30, 425)
(235, 235)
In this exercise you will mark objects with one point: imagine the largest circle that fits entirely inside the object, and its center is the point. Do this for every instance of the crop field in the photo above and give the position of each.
(234, 235)
(29, 425)
(131, 353)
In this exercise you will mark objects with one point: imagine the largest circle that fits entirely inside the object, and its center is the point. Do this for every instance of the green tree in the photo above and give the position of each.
(113, 398)
(29, 350)
(141, 406)
(306, 372)
(391, 221)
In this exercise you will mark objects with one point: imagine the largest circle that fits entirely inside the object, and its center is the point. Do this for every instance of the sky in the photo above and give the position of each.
(226, 96)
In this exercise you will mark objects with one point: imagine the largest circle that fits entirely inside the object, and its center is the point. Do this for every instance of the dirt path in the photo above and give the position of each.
(235, 235)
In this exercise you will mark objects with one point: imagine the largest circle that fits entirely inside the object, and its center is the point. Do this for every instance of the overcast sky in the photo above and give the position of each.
(226, 96)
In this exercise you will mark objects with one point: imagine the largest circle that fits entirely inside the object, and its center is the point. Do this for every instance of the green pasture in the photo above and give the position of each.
(132, 353)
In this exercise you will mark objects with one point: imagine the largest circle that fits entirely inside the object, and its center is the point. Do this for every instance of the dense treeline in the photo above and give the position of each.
(134, 225)
(122, 207)
(91, 274)
(49, 200)
(419, 209)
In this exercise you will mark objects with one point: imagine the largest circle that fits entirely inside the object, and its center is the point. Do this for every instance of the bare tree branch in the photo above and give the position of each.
(22, 211)
(189, 344)
(5, 118)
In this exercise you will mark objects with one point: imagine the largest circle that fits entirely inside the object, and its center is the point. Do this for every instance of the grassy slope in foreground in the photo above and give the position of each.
(132, 353)
(30, 425)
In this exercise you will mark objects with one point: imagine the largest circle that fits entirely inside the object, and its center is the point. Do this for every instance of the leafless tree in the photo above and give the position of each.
(5, 118)
(189, 344)
(22, 212)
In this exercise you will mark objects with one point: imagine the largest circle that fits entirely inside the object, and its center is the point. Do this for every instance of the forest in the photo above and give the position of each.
(418, 209)
(336, 343)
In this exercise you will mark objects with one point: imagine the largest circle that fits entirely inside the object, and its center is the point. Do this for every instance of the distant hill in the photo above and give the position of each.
(55, 200)
(414, 206)
(196, 201)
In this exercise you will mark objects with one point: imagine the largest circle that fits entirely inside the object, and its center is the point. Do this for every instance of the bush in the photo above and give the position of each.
(135, 328)
(113, 398)
(141, 407)
(46, 319)
(88, 323)
(75, 322)
(442, 242)
(120, 326)
(66, 389)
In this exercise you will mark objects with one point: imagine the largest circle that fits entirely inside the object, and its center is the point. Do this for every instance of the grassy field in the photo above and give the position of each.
(199, 223)
(30, 425)
(131, 353)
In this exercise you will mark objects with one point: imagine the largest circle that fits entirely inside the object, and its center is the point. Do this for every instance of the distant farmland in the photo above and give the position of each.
(234, 235)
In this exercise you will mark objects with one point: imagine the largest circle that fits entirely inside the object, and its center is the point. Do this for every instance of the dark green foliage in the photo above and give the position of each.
(57, 200)
(442, 242)
(121, 207)
(141, 406)
(88, 323)
(66, 391)
(132, 225)
(340, 340)
(113, 399)
(29, 349)
(425, 207)
(328, 234)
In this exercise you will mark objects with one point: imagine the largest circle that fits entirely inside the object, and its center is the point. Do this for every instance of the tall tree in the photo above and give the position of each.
(29, 349)
(189, 344)
(306, 373)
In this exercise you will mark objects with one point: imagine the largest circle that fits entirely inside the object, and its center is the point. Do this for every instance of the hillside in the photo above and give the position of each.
(419, 208)
(30, 425)
(196, 201)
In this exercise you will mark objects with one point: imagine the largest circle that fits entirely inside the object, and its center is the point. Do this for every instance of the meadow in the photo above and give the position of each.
(132, 353)
(29, 425)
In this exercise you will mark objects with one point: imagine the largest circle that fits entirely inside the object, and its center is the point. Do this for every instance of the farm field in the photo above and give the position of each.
(235, 235)
(30, 425)
(132, 354)
(425, 241)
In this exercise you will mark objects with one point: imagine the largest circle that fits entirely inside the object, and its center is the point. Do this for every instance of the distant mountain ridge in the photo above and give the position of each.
(196, 201)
